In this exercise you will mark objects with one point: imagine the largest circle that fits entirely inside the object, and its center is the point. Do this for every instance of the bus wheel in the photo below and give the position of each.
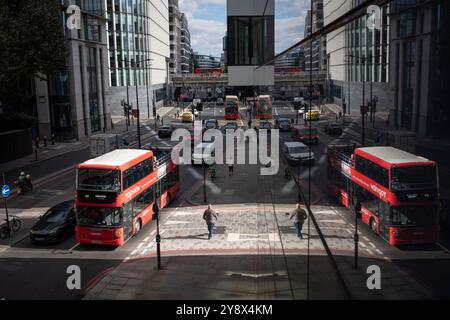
(137, 226)
(373, 225)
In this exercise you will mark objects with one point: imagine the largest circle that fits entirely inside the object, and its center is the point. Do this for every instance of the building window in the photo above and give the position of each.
(250, 40)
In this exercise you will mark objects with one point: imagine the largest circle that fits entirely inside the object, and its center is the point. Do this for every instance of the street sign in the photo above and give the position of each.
(6, 191)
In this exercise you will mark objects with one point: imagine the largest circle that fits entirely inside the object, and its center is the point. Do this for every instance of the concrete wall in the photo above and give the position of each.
(117, 94)
(250, 7)
(384, 92)
(336, 41)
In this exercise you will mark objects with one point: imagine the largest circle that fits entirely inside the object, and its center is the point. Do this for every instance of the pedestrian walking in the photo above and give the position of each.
(230, 169)
(249, 123)
(210, 217)
(299, 216)
(340, 114)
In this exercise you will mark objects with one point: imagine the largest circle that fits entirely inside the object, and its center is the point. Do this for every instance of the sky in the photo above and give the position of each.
(208, 22)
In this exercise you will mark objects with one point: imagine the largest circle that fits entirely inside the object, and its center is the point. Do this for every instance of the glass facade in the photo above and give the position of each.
(93, 89)
(250, 40)
(368, 50)
(128, 41)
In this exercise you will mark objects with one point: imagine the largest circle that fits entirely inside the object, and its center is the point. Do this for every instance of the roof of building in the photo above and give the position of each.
(117, 158)
(393, 155)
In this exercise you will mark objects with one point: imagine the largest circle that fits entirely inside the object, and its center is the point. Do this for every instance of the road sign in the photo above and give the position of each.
(6, 191)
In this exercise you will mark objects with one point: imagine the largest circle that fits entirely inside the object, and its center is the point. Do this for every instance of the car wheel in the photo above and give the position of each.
(373, 225)
(137, 226)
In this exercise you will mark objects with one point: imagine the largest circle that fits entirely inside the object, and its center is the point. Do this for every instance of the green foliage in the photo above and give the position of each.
(31, 42)
(16, 121)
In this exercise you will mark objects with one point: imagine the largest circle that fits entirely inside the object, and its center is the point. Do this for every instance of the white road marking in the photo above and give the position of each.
(176, 222)
(442, 247)
(76, 245)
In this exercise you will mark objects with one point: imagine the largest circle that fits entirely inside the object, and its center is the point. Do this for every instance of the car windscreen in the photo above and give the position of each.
(56, 214)
(98, 179)
(102, 217)
(294, 150)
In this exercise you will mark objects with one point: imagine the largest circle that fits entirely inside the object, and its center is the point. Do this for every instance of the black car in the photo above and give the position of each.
(165, 131)
(56, 225)
(333, 128)
(284, 124)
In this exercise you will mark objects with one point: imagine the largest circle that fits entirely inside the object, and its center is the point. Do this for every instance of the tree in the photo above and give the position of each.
(32, 42)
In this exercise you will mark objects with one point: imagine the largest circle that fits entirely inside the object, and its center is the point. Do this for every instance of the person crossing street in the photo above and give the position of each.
(299, 215)
(210, 217)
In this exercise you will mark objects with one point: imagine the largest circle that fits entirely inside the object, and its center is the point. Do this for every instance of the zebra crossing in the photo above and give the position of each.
(251, 229)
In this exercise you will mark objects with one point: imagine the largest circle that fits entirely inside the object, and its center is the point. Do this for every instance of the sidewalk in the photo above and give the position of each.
(59, 148)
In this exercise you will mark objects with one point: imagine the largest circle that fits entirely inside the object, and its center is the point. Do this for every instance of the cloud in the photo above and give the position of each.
(206, 36)
(207, 23)
(288, 31)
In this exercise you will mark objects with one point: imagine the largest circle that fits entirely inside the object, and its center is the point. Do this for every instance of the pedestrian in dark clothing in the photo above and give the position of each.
(210, 217)
(299, 215)
(340, 114)
(230, 169)
(249, 123)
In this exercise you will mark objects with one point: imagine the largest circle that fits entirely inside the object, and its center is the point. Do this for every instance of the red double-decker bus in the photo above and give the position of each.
(116, 192)
(264, 107)
(398, 191)
(231, 108)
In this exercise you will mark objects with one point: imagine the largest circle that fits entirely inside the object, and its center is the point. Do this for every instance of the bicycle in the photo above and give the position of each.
(14, 225)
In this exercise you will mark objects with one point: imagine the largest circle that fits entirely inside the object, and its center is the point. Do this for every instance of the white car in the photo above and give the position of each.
(297, 153)
(203, 152)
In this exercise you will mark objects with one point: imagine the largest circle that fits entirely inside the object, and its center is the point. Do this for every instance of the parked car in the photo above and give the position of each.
(211, 124)
(333, 128)
(165, 131)
(187, 117)
(284, 124)
(297, 153)
(56, 225)
(305, 134)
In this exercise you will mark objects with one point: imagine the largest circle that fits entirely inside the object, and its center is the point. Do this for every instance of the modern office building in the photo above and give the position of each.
(319, 46)
(139, 53)
(206, 61)
(71, 104)
(251, 33)
(358, 57)
(181, 60)
(289, 62)
(419, 66)
(175, 37)
(225, 51)
(185, 46)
